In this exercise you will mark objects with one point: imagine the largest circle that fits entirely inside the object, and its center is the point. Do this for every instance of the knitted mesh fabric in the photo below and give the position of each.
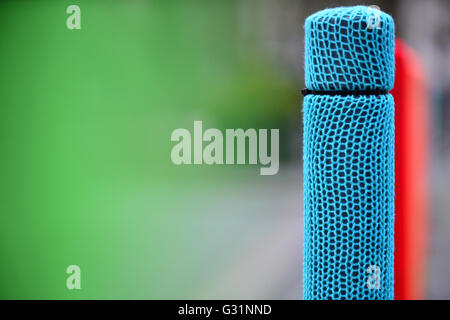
(348, 158)
(342, 53)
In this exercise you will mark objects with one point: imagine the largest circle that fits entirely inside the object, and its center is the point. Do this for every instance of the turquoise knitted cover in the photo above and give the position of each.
(349, 155)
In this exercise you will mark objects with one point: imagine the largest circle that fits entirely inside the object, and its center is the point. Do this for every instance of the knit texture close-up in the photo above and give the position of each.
(349, 48)
(348, 153)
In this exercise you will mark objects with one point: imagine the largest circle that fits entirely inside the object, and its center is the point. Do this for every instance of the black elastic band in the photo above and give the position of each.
(305, 92)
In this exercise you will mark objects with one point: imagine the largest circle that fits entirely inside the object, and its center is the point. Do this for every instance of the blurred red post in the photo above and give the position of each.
(411, 174)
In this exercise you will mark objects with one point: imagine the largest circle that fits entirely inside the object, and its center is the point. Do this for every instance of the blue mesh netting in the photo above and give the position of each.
(341, 52)
(348, 165)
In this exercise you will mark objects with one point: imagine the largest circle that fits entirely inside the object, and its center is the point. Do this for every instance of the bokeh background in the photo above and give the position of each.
(85, 123)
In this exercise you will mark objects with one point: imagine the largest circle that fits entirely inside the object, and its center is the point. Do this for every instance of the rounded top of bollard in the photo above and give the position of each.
(349, 48)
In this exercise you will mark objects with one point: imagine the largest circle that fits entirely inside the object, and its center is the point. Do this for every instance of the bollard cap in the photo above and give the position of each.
(349, 48)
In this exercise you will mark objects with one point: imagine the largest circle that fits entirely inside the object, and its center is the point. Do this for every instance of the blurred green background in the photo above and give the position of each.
(86, 118)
